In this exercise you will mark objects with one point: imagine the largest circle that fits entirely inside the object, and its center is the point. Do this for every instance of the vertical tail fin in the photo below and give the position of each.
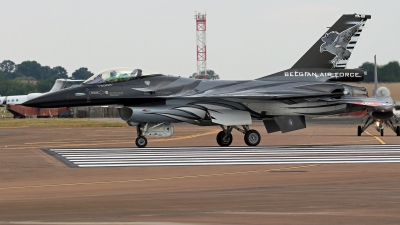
(375, 78)
(334, 48)
(58, 85)
(61, 83)
(3, 101)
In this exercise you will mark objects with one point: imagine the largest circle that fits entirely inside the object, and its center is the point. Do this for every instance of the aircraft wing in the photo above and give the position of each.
(368, 102)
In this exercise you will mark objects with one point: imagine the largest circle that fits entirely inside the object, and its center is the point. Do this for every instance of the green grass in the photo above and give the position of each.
(58, 122)
(5, 113)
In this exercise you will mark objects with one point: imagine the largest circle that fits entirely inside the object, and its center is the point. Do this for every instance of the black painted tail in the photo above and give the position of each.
(334, 48)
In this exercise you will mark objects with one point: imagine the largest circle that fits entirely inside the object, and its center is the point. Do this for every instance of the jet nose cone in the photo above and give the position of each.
(383, 112)
(50, 100)
(33, 103)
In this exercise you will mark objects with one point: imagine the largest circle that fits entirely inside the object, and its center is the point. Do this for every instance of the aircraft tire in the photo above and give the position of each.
(398, 131)
(220, 140)
(252, 138)
(381, 132)
(141, 141)
(359, 131)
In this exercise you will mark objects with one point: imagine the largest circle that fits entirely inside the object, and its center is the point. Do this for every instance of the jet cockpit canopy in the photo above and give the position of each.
(117, 75)
(383, 92)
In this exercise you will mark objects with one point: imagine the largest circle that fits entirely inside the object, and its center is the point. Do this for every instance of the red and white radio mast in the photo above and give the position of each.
(201, 46)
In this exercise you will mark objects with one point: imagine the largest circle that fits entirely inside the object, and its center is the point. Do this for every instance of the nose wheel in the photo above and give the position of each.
(141, 141)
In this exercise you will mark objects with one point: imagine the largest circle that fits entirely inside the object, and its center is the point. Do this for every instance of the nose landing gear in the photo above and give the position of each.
(141, 141)
(152, 129)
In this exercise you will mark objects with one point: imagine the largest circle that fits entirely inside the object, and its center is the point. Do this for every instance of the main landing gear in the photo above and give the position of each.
(367, 123)
(390, 124)
(251, 137)
(378, 126)
(359, 131)
(224, 139)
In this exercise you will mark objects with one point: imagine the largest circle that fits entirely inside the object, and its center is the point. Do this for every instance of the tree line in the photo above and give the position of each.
(211, 75)
(389, 72)
(30, 77)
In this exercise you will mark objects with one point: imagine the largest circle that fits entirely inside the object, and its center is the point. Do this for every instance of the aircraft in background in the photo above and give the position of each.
(381, 109)
(19, 99)
(153, 102)
(2, 100)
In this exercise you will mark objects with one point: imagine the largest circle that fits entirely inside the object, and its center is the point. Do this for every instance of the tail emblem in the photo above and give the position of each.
(341, 44)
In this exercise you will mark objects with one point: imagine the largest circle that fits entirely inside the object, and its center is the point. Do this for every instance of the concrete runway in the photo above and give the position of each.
(325, 175)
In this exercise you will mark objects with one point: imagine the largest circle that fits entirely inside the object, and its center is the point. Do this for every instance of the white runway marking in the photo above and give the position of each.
(196, 156)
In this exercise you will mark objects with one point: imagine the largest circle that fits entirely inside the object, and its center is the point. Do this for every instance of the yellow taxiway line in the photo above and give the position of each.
(160, 178)
(57, 144)
(377, 138)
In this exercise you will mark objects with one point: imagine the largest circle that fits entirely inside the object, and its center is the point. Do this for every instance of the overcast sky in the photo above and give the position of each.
(245, 39)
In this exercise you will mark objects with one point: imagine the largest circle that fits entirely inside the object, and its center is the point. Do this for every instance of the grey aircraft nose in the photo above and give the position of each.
(382, 112)
(384, 108)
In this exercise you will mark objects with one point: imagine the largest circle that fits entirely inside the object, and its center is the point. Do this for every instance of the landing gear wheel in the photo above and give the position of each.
(141, 141)
(359, 131)
(224, 142)
(398, 131)
(381, 132)
(252, 138)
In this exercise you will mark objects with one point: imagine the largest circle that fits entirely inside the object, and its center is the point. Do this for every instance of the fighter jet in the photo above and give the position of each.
(153, 102)
(381, 109)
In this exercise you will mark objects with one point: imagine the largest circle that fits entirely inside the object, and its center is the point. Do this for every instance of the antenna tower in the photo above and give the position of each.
(201, 45)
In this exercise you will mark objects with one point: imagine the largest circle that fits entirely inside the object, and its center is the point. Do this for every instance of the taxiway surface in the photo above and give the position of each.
(359, 185)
